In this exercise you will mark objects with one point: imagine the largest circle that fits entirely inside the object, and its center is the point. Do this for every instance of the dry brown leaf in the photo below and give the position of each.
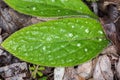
(85, 70)
(103, 69)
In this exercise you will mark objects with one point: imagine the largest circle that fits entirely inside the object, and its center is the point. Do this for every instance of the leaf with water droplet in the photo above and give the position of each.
(57, 43)
(51, 8)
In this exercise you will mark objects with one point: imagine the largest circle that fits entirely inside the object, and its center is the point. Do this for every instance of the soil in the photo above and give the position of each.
(103, 67)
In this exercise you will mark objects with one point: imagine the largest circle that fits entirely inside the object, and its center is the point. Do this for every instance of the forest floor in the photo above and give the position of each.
(103, 67)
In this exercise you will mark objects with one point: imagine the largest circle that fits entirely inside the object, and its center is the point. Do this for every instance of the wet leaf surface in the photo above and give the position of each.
(49, 43)
(6, 60)
(51, 8)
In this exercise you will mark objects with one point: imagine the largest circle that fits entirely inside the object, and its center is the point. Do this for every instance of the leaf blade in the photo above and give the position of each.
(58, 43)
(51, 8)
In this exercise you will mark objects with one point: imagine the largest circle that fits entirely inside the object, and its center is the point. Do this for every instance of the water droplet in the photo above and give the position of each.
(85, 49)
(62, 46)
(53, 0)
(34, 8)
(70, 35)
(48, 39)
(44, 48)
(82, 26)
(31, 58)
(63, 1)
(77, 21)
(100, 39)
(58, 10)
(73, 26)
(80, 7)
(78, 44)
(70, 60)
(101, 32)
(56, 37)
(87, 30)
(26, 54)
(35, 33)
(62, 30)
(86, 22)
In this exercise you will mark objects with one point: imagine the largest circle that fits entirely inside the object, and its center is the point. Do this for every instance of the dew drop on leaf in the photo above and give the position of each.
(62, 30)
(70, 35)
(82, 26)
(77, 21)
(48, 39)
(80, 7)
(78, 44)
(62, 46)
(53, 0)
(34, 8)
(44, 48)
(101, 32)
(70, 60)
(26, 54)
(73, 26)
(58, 10)
(64, 1)
(85, 49)
(87, 30)
(49, 6)
(86, 22)
(100, 39)
(31, 58)
(56, 37)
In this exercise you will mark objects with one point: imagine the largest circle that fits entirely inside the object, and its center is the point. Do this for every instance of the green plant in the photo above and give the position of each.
(36, 70)
(92, 0)
(43, 78)
(74, 38)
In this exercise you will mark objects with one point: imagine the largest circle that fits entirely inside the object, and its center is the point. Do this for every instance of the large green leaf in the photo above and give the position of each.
(51, 8)
(64, 42)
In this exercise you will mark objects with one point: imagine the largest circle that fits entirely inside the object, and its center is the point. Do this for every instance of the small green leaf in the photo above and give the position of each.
(43, 78)
(40, 73)
(51, 8)
(41, 68)
(64, 42)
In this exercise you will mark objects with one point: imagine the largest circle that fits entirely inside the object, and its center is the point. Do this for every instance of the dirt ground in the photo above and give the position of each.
(103, 67)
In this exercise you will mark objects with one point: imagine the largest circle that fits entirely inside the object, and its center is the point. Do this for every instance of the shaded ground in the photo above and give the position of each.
(104, 67)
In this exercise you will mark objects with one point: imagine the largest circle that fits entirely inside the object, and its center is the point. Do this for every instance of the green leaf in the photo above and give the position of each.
(40, 73)
(43, 78)
(64, 42)
(41, 68)
(51, 8)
